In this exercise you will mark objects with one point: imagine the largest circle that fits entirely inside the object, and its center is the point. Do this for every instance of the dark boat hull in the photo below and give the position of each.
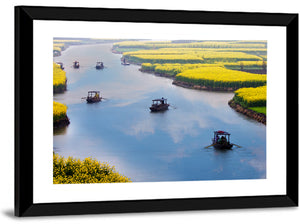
(223, 146)
(99, 67)
(162, 107)
(93, 100)
(125, 63)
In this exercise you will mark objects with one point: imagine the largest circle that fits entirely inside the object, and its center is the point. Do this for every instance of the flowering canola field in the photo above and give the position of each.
(221, 77)
(251, 97)
(173, 69)
(76, 171)
(58, 47)
(59, 111)
(59, 78)
(188, 56)
(256, 51)
(203, 44)
(164, 58)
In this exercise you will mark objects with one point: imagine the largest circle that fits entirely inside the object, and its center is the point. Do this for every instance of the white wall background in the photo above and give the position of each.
(271, 215)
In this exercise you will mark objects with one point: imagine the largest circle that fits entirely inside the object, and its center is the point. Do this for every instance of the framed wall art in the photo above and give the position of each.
(122, 110)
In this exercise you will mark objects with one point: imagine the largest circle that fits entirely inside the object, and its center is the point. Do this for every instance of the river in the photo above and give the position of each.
(145, 146)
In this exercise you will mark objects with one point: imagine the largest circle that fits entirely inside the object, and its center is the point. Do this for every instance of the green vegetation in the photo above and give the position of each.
(262, 110)
(247, 65)
(76, 171)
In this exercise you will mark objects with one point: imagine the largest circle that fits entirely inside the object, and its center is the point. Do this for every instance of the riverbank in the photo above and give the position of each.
(187, 84)
(260, 117)
(60, 118)
(157, 74)
(199, 87)
(115, 51)
(63, 122)
(60, 88)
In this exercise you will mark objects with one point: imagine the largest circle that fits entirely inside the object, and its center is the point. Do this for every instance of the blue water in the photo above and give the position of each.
(145, 146)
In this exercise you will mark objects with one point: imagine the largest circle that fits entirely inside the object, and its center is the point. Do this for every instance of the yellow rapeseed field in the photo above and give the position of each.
(251, 97)
(59, 78)
(173, 68)
(66, 41)
(221, 74)
(59, 75)
(130, 44)
(221, 77)
(76, 171)
(56, 49)
(204, 44)
(168, 55)
(59, 111)
(58, 46)
(164, 58)
(196, 50)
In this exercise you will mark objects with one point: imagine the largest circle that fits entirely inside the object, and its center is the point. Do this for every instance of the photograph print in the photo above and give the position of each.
(158, 110)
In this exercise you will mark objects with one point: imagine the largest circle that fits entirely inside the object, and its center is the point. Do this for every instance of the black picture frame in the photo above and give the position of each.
(24, 18)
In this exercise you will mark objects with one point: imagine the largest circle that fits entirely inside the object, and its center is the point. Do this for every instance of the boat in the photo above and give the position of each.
(93, 97)
(159, 105)
(124, 62)
(221, 140)
(99, 65)
(76, 64)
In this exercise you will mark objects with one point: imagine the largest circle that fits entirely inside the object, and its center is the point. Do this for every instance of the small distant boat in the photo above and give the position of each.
(93, 97)
(76, 64)
(124, 62)
(99, 65)
(159, 105)
(221, 140)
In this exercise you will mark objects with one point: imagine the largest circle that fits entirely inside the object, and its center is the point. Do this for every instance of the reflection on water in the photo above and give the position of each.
(60, 131)
(145, 146)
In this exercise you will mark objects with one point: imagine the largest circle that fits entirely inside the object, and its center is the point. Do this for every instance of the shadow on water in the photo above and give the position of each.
(60, 131)
(158, 112)
(223, 150)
